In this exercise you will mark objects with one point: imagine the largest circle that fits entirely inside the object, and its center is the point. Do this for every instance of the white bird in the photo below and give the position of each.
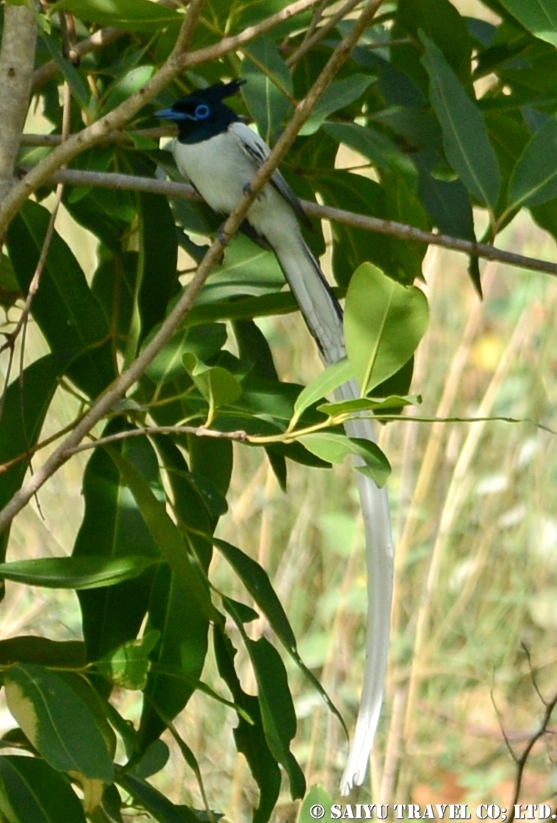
(219, 154)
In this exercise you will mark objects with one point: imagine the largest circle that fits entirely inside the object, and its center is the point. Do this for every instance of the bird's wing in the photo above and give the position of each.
(257, 150)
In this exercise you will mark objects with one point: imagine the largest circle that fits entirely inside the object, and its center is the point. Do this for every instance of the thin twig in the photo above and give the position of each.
(523, 759)
(391, 228)
(114, 137)
(198, 431)
(314, 37)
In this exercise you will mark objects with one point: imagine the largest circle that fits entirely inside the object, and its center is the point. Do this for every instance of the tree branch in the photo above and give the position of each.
(17, 58)
(392, 228)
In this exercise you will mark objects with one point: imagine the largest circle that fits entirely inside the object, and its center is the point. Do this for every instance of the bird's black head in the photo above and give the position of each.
(202, 114)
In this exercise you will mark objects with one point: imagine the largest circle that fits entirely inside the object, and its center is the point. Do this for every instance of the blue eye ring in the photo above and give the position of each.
(202, 112)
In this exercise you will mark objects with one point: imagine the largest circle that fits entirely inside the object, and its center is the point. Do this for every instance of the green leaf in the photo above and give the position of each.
(128, 665)
(269, 84)
(155, 802)
(76, 572)
(254, 347)
(538, 16)
(259, 586)
(337, 96)
(63, 300)
(124, 87)
(167, 537)
(352, 246)
(71, 73)
(368, 404)
(113, 528)
(534, 179)
(157, 259)
(379, 149)
(335, 447)
(217, 385)
(275, 700)
(59, 724)
(33, 792)
(31, 649)
(203, 342)
(441, 22)
(153, 760)
(465, 137)
(257, 583)
(197, 506)
(383, 322)
(178, 658)
(131, 15)
(330, 379)
(180, 608)
(26, 402)
(249, 737)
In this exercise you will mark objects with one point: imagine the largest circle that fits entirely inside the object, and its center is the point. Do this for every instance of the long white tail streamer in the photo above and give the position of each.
(310, 289)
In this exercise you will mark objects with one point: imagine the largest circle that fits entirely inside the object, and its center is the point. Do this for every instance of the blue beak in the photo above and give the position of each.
(170, 114)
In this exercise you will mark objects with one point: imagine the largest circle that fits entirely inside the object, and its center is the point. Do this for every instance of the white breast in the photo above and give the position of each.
(220, 169)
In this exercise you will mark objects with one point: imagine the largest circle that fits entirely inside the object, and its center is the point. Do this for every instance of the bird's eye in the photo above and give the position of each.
(202, 111)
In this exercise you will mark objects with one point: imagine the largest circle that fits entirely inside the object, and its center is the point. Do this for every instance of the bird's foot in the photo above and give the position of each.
(222, 235)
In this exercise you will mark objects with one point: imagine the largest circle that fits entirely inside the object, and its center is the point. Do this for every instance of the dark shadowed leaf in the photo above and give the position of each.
(249, 737)
(275, 700)
(156, 803)
(465, 137)
(268, 88)
(31, 649)
(31, 791)
(26, 402)
(113, 529)
(63, 300)
(534, 179)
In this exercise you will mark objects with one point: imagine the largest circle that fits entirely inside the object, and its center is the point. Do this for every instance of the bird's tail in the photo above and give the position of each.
(379, 559)
(323, 317)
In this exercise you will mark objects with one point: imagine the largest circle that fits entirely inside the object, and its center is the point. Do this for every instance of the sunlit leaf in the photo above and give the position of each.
(325, 383)
(128, 665)
(58, 723)
(76, 572)
(538, 16)
(384, 322)
(335, 447)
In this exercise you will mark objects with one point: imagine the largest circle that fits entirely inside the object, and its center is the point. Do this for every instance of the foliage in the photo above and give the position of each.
(443, 114)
